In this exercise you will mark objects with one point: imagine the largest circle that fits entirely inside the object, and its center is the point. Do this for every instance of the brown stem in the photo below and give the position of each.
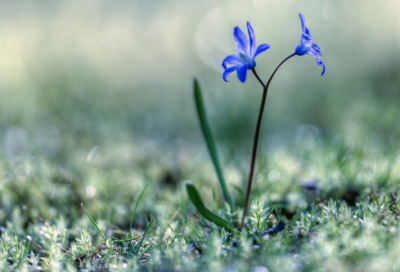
(256, 75)
(255, 144)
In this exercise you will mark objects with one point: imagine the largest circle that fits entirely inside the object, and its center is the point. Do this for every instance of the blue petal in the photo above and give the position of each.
(306, 31)
(320, 62)
(242, 72)
(242, 44)
(252, 38)
(306, 41)
(317, 48)
(228, 71)
(303, 21)
(314, 53)
(232, 60)
(261, 48)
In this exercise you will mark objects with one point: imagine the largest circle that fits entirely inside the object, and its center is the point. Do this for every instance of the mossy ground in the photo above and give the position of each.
(338, 200)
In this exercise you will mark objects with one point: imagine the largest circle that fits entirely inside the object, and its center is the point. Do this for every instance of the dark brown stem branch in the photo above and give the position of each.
(256, 75)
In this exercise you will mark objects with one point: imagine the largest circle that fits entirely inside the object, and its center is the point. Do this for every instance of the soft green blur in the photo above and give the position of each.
(103, 69)
(114, 79)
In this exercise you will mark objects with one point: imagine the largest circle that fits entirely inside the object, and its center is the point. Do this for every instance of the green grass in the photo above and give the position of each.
(339, 202)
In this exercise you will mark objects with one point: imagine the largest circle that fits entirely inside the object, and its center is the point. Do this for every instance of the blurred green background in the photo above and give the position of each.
(105, 69)
(109, 83)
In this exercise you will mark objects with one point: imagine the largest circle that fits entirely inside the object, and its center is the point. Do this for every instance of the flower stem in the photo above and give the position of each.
(255, 144)
(256, 75)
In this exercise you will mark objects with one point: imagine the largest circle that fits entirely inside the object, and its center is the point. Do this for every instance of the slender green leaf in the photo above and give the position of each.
(183, 200)
(126, 240)
(293, 221)
(136, 206)
(215, 202)
(201, 111)
(195, 232)
(20, 242)
(337, 205)
(311, 218)
(94, 223)
(23, 256)
(264, 224)
(66, 238)
(206, 213)
(144, 236)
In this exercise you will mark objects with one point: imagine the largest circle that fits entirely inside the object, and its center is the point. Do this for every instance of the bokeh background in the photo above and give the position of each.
(105, 69)
(99, 86)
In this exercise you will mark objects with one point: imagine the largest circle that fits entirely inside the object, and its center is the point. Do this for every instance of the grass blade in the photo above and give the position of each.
(201, 112)
(293, 221)
(195, 232)
(144, 236)
(136, 206)
(264, 224)
(94, 223)
(23, 256)
(206, 213)
(127, 240)
(66, 238)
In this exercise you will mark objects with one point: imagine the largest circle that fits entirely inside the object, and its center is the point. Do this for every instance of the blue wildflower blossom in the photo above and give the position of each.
(246, 53)
(307, 45)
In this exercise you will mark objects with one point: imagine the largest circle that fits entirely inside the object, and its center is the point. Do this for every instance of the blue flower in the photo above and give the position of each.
(307, 45)
(246, 53)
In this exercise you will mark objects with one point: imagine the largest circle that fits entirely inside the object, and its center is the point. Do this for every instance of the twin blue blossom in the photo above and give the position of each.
(247, 52)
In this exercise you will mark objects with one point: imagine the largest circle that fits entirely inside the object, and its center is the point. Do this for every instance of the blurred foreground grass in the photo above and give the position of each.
(339, 197)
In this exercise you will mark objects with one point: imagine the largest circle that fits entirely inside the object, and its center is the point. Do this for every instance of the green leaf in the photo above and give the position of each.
(293, 221)
(66, 238)
(126, 240)
(194, 196)
(201, 111)
(94, 223)
(264, 224)
(23, 256)
(144, 236)
(136, 206)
